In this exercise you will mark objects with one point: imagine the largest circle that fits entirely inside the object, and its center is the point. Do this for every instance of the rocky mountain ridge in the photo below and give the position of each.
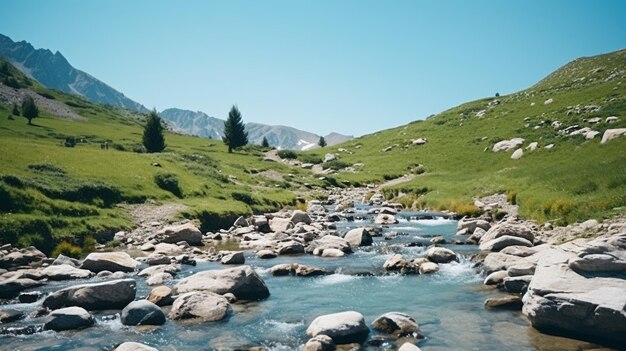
(282, 137)
(54, 71)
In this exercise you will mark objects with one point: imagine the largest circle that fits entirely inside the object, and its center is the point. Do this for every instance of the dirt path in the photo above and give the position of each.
(404, 179)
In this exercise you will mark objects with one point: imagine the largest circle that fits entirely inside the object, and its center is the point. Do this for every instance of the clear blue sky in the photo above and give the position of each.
(350, 66)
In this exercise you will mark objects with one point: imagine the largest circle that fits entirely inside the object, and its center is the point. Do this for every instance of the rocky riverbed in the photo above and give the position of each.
(335, 277)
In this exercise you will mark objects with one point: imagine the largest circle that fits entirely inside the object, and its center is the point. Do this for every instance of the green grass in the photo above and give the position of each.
(577, 180)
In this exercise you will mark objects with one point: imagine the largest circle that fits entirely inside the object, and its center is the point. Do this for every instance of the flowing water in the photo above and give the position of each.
(448, 305)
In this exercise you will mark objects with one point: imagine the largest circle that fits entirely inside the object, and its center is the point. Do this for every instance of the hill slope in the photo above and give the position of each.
(577, 178)
(54, 71)
(53, 191)
(281, 137)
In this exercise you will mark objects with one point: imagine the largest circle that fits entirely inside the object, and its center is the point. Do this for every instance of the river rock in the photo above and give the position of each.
(329, 242)
(281, 269)
(68, 318)
(301, 270)
(358, 237)
(332, 253)
(11, 288)
(62, 259)
(502, 242)
(497, 261)
(517, 284)
(395, 323)
(320, 343)
(142, 312)
(156, 259)
(291, 247)
(241, 281)
(342, 327)
(520, 251)
(496, 278)
(23, 257)
(509, 302)
(184, 232)
(510, 229)
(30, 296)
(241, 222)
(407, 346)
(278, 224)
(115, 294)
(109, 261)
(385, 219)
(234, 258)
(161, 296)
(428, 268)
(520, 269)
(597, 263)
(8, 316)
(158, 279)
(476, 236)
(134, 346)
(300, 217)
(440, 255)
(65, 272)
(266, 254)
(562, 301)
(204, 305)
(166, 249)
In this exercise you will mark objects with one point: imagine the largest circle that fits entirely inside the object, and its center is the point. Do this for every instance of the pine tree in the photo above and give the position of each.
(153, 139)
(234, 131)
(29, 109)
(321, 142)
(265, 143)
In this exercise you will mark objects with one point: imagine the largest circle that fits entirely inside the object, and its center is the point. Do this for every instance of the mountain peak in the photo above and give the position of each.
(54, 71)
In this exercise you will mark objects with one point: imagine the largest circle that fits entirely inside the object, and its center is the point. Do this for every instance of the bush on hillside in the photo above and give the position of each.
(67, 249)
(310, 158)
(169, 182)
(335, 165)
(287, 154)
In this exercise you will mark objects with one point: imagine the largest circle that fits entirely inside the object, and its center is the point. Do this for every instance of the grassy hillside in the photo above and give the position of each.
(50, 192)
(577, 179)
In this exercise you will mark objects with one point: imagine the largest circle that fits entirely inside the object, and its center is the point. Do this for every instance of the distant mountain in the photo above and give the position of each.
(54, 71)
(282, 137)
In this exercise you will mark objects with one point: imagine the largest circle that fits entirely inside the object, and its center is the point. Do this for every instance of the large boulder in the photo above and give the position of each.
(440, 255)
(241, 281)
(65, 272)
(611, 134)
(343, 327)
(142, 312)
(184, 232)
(290, 247)
(300, 217)
(560, 300)
(395, 323)
(510, 229)
(319, 246)
(506, 145)
(109, 261)
(11, 288)
(115, 294)
(204, 305)
(502, 242)
(161, 296)
(278, 224)
(497, 261)
(509, 302)
(600, 262)
(134, 346)
(319, 343)
(407, 346)
(358, 237)
(23, 257)
(385, 219)
(234, 258)
(68, 318)
(471, 224)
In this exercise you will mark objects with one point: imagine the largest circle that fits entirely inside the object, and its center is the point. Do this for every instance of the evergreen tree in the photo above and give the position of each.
(265, 143)
(153, 139)
(29, 109)
(234, 132)
(321, 142)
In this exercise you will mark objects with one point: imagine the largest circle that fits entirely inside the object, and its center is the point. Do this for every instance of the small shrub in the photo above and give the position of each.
(118, 147)
(301, 204)
(309, 158)
(140, 149)
(113, 244)
(89, 245)
(70, 141)
(169, 182)
(67, 249)
(335, 165)
(244, 197)
(45, 168)
(46, 95)
(287, 154)
(511, 197)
